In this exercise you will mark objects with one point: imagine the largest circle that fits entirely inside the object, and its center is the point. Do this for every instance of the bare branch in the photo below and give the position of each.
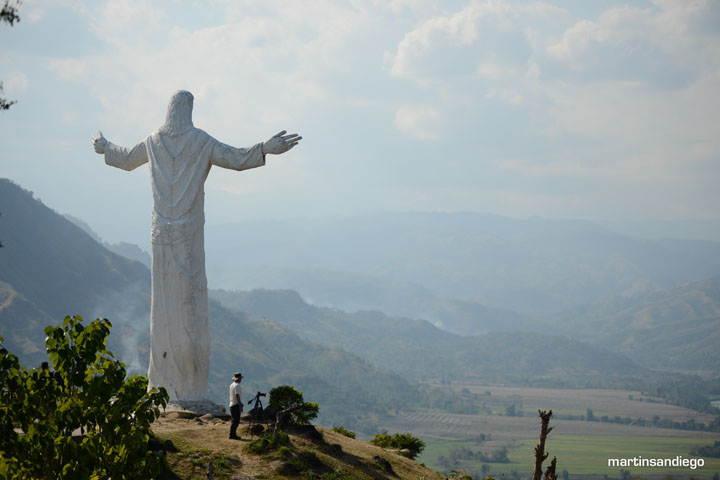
(540, 454)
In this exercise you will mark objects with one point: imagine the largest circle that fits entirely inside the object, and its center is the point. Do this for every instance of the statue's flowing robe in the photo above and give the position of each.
(179, 330)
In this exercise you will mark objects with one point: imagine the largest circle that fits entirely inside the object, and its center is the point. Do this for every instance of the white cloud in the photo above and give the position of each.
(506, 95)
(665, 47)
(128, 22)
(438, 33)
(626, 97)
(577, 39)
(264, 63)
(17, 82)
(35, 14)
(420, 122)
(492, 69)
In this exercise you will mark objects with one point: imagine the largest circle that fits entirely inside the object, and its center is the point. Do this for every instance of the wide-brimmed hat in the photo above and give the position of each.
(237, 376)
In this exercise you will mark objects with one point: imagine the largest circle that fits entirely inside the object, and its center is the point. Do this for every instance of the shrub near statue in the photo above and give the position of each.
(291, 407)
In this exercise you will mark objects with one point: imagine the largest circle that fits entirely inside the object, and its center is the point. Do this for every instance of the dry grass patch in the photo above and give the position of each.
(200, 442)
(337, 457)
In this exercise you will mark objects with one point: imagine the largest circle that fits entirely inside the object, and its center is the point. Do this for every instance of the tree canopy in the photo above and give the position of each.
(8, 14)
(85, 419)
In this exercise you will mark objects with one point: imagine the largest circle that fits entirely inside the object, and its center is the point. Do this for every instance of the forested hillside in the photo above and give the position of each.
(418, 349)
(675, 328)
(50, 268)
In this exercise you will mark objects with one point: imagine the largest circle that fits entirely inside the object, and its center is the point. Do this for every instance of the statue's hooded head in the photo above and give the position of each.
(179, 114)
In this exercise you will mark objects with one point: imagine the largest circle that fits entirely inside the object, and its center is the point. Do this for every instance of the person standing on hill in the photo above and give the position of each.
(236, 405)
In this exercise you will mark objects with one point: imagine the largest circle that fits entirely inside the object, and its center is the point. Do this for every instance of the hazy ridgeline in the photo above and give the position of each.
(428, 271)
(415, 264)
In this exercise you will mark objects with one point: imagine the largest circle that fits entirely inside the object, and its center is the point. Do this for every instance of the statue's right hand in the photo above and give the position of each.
(99, 143)
(281, 143)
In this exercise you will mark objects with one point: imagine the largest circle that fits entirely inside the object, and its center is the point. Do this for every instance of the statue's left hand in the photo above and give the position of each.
(99, 143)
(281, 143)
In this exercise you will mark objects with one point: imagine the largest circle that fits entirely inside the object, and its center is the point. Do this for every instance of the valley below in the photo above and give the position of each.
(628, 371)
(621, 427)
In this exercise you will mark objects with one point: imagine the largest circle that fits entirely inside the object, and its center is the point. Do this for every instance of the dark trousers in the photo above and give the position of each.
(235, 412)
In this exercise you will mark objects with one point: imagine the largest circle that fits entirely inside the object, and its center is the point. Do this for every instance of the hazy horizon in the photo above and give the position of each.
(579, 110)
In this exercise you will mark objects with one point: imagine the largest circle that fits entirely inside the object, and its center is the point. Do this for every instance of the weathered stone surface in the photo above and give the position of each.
(193, 408)
(405, 452)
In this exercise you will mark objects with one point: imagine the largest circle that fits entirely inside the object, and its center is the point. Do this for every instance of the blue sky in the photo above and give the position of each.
(600, 110)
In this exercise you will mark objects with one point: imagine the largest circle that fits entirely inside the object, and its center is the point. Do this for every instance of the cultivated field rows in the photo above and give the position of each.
(439, 425)
(576, 402)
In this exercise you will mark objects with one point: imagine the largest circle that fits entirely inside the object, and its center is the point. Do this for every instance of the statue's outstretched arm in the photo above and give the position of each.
(120, 157)
(280, 143)
(243, 158)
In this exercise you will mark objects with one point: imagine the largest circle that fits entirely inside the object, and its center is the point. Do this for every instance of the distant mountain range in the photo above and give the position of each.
(124, 249)
(49, 268)
(417, 349)
(357, 362)
(406, 264)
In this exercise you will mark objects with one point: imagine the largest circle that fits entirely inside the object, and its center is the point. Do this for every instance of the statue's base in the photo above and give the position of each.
(198, 406)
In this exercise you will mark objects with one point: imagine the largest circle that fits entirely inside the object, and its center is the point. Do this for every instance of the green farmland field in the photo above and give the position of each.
(588, 454)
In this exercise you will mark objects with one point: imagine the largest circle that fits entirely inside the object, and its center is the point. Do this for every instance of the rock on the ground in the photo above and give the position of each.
(201, 407)
(383, 463)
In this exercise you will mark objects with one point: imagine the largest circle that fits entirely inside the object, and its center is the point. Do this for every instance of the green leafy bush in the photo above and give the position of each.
(343, 431)
(112, 413)
(286, 396)
(399, 441)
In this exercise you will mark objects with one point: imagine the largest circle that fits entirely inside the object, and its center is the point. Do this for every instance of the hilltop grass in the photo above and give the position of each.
(191, 461)
(193, 464)
(587, 454)
(337, 457)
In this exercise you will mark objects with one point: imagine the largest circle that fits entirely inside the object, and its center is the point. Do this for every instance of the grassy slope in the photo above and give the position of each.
(198, 442)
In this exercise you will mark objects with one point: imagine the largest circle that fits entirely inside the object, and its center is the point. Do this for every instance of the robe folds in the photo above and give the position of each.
(179, 324)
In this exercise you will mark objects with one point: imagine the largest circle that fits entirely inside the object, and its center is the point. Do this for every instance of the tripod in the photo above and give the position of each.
(256, 412)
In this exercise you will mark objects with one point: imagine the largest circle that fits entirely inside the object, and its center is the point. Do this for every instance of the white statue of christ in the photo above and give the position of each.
(180, 157)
